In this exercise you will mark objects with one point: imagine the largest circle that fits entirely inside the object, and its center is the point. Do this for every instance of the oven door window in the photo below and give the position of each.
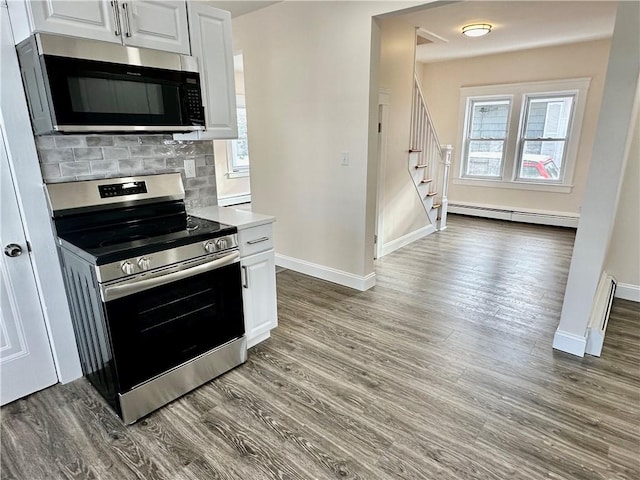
(158, 329)
(86, 92)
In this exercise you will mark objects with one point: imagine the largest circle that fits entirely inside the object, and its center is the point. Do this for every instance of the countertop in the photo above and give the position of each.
(233, 216)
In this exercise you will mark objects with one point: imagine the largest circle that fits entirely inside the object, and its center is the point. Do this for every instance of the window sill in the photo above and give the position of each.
(238, 174)
(514, 185)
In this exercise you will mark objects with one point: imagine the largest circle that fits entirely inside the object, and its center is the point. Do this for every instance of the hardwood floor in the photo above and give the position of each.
(444, 370)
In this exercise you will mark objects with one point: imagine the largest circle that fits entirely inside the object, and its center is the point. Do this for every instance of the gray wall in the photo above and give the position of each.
(68, 158)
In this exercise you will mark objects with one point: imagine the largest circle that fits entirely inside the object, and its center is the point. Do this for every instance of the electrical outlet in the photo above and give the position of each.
(190, 168)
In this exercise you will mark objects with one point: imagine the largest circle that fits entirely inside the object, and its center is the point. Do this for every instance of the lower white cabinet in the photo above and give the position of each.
(259, 296)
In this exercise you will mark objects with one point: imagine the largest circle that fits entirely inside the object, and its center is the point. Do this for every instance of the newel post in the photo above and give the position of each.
(442, 222)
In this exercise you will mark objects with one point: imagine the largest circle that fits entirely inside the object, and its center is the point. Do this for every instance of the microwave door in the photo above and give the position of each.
(99, 96)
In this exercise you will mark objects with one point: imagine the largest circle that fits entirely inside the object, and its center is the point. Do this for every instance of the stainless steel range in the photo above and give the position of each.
(156, 295)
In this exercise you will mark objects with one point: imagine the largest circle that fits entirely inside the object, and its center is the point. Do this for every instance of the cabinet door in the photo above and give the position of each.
(211, 42)
(93, 19)
(259, 296)
(160, 24)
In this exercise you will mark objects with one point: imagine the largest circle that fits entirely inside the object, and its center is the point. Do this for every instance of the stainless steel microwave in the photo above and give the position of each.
(76, 85)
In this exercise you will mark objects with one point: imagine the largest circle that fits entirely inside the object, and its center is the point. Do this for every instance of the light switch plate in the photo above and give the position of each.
(190, 168)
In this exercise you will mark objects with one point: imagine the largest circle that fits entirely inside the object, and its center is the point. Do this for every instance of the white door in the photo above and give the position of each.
(94, 19)
(159, 24)
(26, 361)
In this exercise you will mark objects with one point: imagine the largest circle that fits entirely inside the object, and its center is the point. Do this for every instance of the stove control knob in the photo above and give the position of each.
(127, 267)
(210, 246)
(222, 243)
(144, 263)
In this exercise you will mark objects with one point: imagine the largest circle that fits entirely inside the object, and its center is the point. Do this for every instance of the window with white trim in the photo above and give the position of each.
(521, 135)
(238, 148)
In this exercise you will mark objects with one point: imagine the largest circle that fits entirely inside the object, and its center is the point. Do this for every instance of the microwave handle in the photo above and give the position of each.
(116, 17)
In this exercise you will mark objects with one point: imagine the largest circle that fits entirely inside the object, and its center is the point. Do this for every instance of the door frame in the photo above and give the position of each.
(23, 160)
(384, 100)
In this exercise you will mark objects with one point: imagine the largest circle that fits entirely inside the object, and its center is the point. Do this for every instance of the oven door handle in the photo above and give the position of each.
(112, 292)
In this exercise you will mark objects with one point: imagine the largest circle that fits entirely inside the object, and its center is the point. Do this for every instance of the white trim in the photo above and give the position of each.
(238, 174)
(234, 199)
(525, 215)
(340, 277)
(570, 343)
(257, 339)
(627, 291)
(519, 91)
(599, 318)
(515, 185)
(411, 237)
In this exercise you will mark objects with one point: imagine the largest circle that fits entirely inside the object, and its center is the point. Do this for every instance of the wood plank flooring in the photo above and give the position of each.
(444, 370)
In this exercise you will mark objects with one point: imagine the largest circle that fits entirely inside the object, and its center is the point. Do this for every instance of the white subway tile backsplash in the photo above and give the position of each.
(88, 153)
(70, 141)
(70, 169)
(56, 155)
(78, 157)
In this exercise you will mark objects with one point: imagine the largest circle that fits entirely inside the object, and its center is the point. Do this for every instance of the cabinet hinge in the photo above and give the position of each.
(379, 127)
(29, 249)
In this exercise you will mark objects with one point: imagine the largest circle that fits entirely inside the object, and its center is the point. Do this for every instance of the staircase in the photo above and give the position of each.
(429, 162)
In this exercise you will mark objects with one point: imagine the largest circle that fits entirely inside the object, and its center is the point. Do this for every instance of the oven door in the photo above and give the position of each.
(173, 315)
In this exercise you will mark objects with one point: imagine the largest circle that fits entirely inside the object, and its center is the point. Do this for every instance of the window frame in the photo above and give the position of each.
(468, 119)
(234, 170)
(522, 136)
(578, 87)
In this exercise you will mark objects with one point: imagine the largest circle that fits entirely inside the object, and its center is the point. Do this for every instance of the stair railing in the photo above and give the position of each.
(433, 159)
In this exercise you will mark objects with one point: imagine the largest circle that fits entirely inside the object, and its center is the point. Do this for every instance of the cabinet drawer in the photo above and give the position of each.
(255, 239)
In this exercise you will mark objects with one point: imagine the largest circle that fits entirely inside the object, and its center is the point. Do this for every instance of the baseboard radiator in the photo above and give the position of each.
(515, 215)
(600, 311)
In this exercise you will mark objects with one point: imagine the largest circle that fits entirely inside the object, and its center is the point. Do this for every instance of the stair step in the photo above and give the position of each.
(422, 166)
(427, 181)
(432, 194)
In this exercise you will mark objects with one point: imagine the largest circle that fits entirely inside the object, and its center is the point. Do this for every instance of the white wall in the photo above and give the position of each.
(442, 82)
(307, 87)
(402, 211)
(623, 258)
(610, 150)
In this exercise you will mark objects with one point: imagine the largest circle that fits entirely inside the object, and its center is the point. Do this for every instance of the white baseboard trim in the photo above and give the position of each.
(340, 277)
(411, 237)
(542, 217)
(570, 343)
(626, 291)
(234, 199)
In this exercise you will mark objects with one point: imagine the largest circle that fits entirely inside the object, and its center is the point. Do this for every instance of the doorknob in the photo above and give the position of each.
(13, 250)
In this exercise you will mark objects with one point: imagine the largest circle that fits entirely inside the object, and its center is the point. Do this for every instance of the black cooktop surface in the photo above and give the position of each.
(110, 236)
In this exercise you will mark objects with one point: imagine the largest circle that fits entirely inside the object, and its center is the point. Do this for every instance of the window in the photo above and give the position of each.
(238, 149)
(544, 136)
(521, 135)
(486, 137)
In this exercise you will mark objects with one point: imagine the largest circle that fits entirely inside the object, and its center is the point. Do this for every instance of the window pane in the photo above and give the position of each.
(484, 158)
(240, 159)
(542, 160)
(548, 117)
(489, 119)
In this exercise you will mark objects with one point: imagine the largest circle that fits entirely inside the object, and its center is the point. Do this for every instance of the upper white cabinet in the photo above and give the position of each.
(211, 42)
(90, 19)
(160, 24)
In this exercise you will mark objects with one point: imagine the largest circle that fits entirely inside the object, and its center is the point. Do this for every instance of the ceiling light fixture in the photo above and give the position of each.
(476, 29)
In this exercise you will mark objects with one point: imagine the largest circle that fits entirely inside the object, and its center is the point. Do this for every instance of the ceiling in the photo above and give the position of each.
(240, 7)
(517, 25)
